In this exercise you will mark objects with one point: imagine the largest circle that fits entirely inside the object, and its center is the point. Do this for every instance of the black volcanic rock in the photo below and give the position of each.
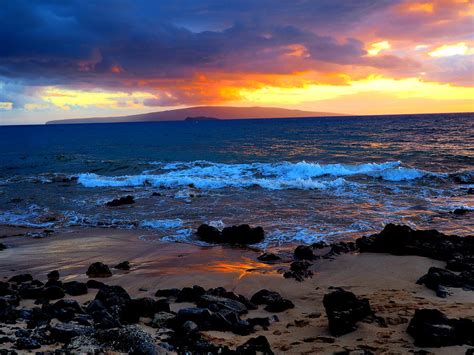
(98, 269)
(53, 293)
(53, 275)
(304, 252)
(402, 240)
(437, 278)
(431, 328)
(21, 278)
(75, 288)
(273, 300)
(126, 200)
(258, 345)
(299, 270)
(94, 284)
(241, 234)
(268, 257)
(344, 310)
(124, 265)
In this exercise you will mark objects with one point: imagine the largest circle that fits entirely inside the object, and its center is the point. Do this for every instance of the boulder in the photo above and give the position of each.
(124, 265)
(273, 300)
(126, 200)
(21, 278)
(436, 278)
(299, 271)
(64, 332)
(209, 234)
(258, 345)
(75, 288)
(170, 292)
(53, 293)
(344, 310)
(431, 328)
(29, 291)
(304, 252)
(268, 257)
(241, 234)
(2, 246)
(222, 303)
(130, 339)
(53, 275)
(27, 343)
(94, 284)
(402, 240)
(190, 294)
(161, 319)
(147, 306)
(98, 269)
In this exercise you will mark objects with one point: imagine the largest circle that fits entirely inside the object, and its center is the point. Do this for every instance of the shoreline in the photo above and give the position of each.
(388, 281)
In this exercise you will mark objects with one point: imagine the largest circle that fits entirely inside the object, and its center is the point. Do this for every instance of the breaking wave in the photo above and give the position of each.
(277, 176)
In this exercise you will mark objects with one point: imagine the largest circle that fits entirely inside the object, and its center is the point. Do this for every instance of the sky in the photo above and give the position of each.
(72, 59)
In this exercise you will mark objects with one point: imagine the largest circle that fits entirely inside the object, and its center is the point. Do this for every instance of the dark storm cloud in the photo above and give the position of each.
(115, 42)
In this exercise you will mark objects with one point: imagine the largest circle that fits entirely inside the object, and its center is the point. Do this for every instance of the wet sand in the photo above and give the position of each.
(389, 282)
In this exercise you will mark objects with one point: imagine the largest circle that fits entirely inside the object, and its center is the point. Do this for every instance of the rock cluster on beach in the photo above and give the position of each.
(108, 322)
(180, 318)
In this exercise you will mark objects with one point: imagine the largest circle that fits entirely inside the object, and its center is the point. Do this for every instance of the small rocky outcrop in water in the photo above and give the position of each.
(241, 234)
(98, 269)
(124, 265)
(344, 310)
(126, 200)
(431, 328)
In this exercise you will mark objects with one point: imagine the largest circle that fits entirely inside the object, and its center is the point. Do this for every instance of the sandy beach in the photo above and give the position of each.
(387, 281)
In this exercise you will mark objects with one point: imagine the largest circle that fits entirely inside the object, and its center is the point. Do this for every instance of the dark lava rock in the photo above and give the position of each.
(319, 245)
(460, 211)
(209, 234)
(147, 306)
(21, 278)
(402, 240)
(470, 191)
(304, 252)
(258, 345)
(64, 310)
(75, 288)
(6, 289)
(222, 303)
(268, 257)
(299, 271)
(436, 278)
(241, 234)
(190, 294)
(460, 263)
(53, 293)
(25, 343)
(118, 303)
(200, 316)
(170, 292)
(98, 269)
(124, 265)
(50, 283)
(94, 284)
(64, 332)
(342, 247)
(53, 275)
(130, 339)
(188, 328)
(273, 300)
(431, 328)
(28, 291)
(2, 246)
(8, 312)
(127, 200)
(344, 310)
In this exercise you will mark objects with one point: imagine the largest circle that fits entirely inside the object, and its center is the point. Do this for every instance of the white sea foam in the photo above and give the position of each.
(162, 223)
(278, 176)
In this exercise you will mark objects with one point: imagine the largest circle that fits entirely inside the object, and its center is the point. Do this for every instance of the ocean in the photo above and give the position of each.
(302, 180)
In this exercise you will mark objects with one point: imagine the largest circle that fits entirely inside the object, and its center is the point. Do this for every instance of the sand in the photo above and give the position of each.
(389, 282)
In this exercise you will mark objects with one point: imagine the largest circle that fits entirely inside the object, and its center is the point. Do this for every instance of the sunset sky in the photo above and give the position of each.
(68, 59)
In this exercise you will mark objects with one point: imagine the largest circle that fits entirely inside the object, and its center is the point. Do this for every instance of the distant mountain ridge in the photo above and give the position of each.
(220, 112)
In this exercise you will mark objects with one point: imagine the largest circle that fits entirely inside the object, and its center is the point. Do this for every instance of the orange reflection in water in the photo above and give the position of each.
(241, 267)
